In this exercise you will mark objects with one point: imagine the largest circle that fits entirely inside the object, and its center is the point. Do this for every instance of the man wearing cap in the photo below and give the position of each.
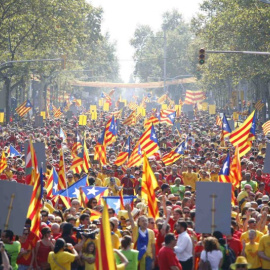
(264, 250)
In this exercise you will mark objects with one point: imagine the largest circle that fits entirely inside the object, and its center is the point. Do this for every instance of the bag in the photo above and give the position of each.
(229, 258)
(205, 265)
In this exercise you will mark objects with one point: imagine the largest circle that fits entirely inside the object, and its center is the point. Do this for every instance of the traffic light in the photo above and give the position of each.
(201, 56)
(63, 61)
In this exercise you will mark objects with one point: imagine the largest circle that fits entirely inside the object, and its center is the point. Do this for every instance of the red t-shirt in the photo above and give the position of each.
(167, 258)
(26, 258)
(235, 245)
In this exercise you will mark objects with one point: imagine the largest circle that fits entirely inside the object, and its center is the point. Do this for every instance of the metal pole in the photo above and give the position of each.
(165, 61)
(241, 52)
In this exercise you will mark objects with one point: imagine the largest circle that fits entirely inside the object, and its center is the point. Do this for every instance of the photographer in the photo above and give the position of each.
(60, 258)
(4, 261)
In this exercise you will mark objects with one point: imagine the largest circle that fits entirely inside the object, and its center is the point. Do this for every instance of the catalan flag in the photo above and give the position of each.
(224, 176)
(218, 121)
(162, 99)
(77, 145)
(49, 183)
(124, 154)
(235, 170)
(56, 112)
(62, 182)
(133, 105)
(36, 205)
(31, 167)
(73, 191)
(110, 132)
(226, 130)
(131, 119)
(193, 97)
(167, 116)
(148, 143)
(266, 127)
(242, 137)
(175, 154)
(62, 134)
(3, 162)
(149, 185)
(105, 257)
(153, 120)
(12, 152)
(259, 105)
(24, 108)
(100, 150)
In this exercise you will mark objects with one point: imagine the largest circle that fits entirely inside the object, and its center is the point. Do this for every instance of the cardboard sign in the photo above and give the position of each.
(164, 106)
(2, 117)
(82, 120)
(38, 121)
(40, 153)
(106, 107)
(266, 167)
(93, 108)
(187, 108)
(213, 213)
(43, 114)
(19, 205)
(212, 109)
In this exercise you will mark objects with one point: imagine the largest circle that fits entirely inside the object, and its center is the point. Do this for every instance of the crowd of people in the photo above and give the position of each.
(68, 235)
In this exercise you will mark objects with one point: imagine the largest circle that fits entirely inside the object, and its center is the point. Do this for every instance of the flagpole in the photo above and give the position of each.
(64, 167)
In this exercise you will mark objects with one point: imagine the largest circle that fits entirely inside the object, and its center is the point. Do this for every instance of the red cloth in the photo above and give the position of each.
(235, 245)
(26, 258)
(167, 258)
(171, 178)
(43, 253)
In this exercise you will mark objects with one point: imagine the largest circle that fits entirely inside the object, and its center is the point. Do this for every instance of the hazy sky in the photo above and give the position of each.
(121, 18)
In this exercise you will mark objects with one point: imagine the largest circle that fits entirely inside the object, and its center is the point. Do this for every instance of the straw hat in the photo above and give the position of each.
(240, 260)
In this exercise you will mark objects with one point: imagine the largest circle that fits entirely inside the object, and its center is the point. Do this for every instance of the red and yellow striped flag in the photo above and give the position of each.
(235, 170)
(149, 185)
(49, 184)
(36, 205)
(3, 162)
(266, 127)
(218, 121)
(131, 119)
(24, 108)
(105, 257)
(62, 182)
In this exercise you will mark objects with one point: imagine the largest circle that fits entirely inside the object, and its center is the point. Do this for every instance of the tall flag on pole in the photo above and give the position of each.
(218, 121)
(31, 167)
(131, 119)
(62, 182)
(105, 257)
(3, 162)
(55, 177)
(100, 150)
(148, 143)
(76, 145)
(193, 97)
(110, 132)
(36, 205)
(167, 116)
(243, 135)
(149, 185)
(124, 154)
(49, 184)
(266, 127)
(24, 108)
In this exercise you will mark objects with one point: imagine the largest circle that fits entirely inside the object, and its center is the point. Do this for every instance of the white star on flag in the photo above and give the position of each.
(76, 193)
(117, 204)
(55, 187)
(224, 125)
(225, 167)
(172, 116)
(92, 191)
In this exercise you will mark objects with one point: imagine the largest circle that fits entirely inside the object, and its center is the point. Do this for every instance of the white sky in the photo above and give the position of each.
(121, 17)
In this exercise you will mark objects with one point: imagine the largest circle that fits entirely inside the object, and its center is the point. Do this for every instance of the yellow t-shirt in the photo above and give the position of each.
(190, 179)
(106, 182)
(63, 258)
(89, 266)
(151, 240)
(251, 251)
(214, 177)
(115, 241)
(98, 182)
(264, 246)
(244, 236)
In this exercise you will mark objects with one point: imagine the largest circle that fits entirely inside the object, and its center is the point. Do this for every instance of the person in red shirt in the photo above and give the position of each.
(167, 259)
(234, 243)
(171, 177)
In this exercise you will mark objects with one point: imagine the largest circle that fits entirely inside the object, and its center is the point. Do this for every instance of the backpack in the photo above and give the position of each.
(229, 258)
(205, 265)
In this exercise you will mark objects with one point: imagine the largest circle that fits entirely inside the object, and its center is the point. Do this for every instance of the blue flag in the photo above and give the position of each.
(114, 201)
(55, 182)
(92, 192)
(73, 190)
(13, 152)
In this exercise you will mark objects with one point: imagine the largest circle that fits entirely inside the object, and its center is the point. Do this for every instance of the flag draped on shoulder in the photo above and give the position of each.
(24, 108)
(3, 162)
(148, 144)
(105, 257)
(149, 185)
(36, 205)
(124, 154)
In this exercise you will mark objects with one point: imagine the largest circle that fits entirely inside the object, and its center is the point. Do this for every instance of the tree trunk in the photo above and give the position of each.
(7, 89)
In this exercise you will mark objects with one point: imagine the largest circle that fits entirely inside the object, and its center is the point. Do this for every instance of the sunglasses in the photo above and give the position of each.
(94, 202)
(186, 212)
(241, 266)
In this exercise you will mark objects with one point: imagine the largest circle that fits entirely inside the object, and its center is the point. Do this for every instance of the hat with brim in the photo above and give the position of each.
(240, 260)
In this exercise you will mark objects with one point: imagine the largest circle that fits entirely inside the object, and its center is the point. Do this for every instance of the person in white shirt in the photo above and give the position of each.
(212, 253)
(183, 248)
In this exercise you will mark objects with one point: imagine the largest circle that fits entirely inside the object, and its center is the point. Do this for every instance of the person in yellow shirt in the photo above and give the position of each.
(114, 236)
(89, 256)
(204, 177)
(60, 259)
(144, 240)
(250, 251)
(264, 250)
(190, 178)
(106, 181)
(252, 226)
(214, 174)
